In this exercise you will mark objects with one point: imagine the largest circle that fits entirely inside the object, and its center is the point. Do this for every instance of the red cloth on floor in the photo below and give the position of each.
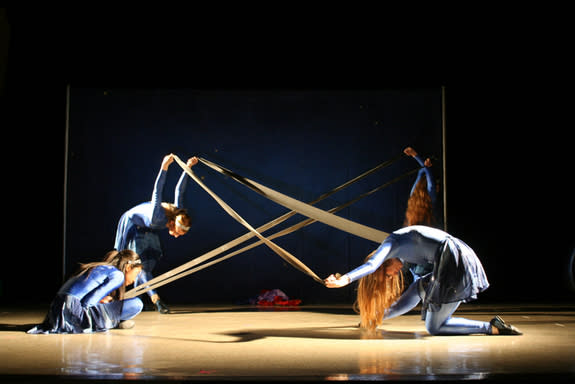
(270, 297)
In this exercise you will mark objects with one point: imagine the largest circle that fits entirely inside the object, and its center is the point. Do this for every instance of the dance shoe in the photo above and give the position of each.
(503, 327)
(161, 307)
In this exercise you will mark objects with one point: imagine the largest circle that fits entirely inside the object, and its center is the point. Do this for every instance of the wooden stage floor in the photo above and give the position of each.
(307, 343)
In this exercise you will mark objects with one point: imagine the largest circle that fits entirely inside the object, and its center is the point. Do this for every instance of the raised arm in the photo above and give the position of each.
(157, 210)
(426, 169)
(182, 183)
(430, 183)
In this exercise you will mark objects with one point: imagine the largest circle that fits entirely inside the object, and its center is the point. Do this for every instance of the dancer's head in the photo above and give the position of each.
(377, 291)
(419, 206)
(178, 220)
(127, 261)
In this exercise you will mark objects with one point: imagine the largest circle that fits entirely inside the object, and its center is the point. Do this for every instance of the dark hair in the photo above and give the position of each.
(119, 259)
(172, 212)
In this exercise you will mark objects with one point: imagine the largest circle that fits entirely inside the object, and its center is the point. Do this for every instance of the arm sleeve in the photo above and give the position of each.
(430, 184)
(120, 241)
(430, 180)
(180, 189)
(157, 210)
(372, 263)
(419, 160)
(106, 283)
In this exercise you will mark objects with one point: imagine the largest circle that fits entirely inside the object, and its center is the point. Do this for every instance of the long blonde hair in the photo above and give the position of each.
(419, 206)
(375, 294)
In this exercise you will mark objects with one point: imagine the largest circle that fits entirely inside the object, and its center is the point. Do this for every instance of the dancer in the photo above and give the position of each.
(422, 197)
(138, 227)
(420, 206)
(93, 299)
(457, 277)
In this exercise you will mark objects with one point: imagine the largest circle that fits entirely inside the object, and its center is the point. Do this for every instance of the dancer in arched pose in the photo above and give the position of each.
(138, 228)
(457, 277)
(93, 299)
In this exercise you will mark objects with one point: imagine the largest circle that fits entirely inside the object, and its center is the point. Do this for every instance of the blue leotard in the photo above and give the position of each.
(77, 308)
(139, 227)
(430, 180)
(150, 215)
(457, 272)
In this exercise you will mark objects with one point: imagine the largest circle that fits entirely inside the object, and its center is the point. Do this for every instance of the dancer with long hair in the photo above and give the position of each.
(421, 202)
(93, 299)
(138, 228)
(420, 207)
(457, 277)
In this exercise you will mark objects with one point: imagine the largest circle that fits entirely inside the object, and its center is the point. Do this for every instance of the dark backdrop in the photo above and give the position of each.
(301, 143)
(509, 151)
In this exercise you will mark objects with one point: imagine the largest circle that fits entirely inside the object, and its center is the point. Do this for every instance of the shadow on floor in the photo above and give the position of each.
(350, 332)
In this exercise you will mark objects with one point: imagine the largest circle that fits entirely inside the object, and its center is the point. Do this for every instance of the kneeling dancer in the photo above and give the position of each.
(93, 299)
(457, 277)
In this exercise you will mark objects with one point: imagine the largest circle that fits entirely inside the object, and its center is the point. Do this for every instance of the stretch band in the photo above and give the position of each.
(293, 228)
(294, 261)
(330, 219)
(180, 271)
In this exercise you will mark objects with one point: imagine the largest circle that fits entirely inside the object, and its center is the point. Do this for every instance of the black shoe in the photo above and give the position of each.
(161, 307)
(503, 327)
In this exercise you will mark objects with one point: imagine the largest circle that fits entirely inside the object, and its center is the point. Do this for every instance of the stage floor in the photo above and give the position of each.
(303, 343)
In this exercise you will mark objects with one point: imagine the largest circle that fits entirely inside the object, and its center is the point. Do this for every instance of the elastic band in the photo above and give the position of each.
(185, 269)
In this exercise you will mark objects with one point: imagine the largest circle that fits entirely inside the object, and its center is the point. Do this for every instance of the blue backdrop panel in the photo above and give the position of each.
(301, 143)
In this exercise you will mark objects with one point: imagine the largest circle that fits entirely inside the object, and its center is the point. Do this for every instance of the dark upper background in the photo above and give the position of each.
(508, 151)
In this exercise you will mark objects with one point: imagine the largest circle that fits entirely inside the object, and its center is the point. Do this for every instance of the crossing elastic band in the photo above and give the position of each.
(286, 231)
(305, 209)
(185, 269)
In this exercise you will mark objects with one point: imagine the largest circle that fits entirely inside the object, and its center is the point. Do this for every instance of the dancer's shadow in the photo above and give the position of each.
(235, 309)
(350, 332)
(16, 327)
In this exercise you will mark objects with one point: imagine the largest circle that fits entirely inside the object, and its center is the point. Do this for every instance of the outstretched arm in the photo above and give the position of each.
(377, 258)
(182, 183)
